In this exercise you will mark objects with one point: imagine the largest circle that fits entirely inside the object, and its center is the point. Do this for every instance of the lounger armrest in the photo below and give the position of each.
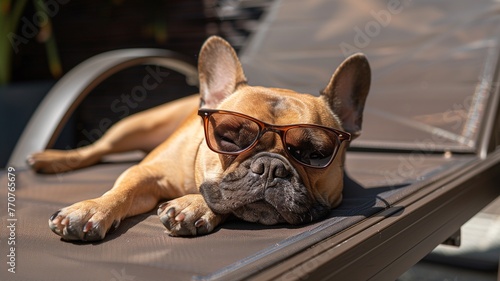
(53, 112)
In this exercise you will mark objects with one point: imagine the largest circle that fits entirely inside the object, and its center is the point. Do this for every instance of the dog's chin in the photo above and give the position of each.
(249, 197)
(268, 210)
(259, 212)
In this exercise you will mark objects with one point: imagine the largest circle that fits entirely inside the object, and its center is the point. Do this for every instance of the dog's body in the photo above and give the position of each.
(259, 185)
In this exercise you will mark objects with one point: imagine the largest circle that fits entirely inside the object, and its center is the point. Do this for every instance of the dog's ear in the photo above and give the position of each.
(347, 90)
(220, 71)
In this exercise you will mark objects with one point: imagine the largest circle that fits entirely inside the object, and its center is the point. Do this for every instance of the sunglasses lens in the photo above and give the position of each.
(228, 133)
(312, 146)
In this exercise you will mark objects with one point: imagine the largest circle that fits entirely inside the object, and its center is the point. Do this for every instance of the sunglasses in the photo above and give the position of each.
(232, 133)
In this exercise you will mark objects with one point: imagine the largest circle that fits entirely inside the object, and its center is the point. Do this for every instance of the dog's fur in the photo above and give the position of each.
(260, 185)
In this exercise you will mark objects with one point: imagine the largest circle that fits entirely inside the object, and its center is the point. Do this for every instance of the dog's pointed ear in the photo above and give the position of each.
(347, 90)
(220, 71)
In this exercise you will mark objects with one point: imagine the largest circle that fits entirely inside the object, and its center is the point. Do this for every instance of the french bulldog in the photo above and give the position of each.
(264, 155)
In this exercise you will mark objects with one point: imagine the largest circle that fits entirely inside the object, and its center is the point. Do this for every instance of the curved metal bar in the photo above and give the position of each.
(53, 112)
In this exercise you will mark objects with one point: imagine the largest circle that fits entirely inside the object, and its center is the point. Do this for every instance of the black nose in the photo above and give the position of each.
(270, 167)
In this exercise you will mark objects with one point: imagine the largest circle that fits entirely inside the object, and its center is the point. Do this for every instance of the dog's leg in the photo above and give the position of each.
(163, 174)
(136, 191)
(142, 131)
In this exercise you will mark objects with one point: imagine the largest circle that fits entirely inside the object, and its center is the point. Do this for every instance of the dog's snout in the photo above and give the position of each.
(270, 167)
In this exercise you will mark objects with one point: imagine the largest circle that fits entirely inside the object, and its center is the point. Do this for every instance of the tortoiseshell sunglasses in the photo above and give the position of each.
(232, 133)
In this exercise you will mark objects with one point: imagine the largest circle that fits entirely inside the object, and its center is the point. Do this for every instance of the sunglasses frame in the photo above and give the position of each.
(264, 127)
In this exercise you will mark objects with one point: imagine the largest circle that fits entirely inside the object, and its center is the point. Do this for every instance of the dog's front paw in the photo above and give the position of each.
(188, 216)
(85, 221)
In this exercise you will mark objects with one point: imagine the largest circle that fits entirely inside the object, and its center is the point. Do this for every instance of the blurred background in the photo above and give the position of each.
(40, 49)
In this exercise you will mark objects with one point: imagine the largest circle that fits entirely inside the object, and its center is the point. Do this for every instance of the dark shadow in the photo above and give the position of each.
(360, 201)
(237, 224)
(127, 224)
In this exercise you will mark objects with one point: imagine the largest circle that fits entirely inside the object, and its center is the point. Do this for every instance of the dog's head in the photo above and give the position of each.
(274, 155)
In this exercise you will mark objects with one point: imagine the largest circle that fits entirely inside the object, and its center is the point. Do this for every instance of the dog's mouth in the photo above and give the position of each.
(264, 189)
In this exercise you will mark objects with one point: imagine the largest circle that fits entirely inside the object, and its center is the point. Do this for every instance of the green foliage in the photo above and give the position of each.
(11, 15)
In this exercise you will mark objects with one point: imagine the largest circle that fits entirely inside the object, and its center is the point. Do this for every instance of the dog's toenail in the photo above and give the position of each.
(115, 225)
(30, 161)
(199, 223)
(54, 215)
(88, 227)
(171, 212)
(162, 205)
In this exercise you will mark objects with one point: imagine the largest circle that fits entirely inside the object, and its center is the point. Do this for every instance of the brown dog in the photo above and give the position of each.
(265, 155)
